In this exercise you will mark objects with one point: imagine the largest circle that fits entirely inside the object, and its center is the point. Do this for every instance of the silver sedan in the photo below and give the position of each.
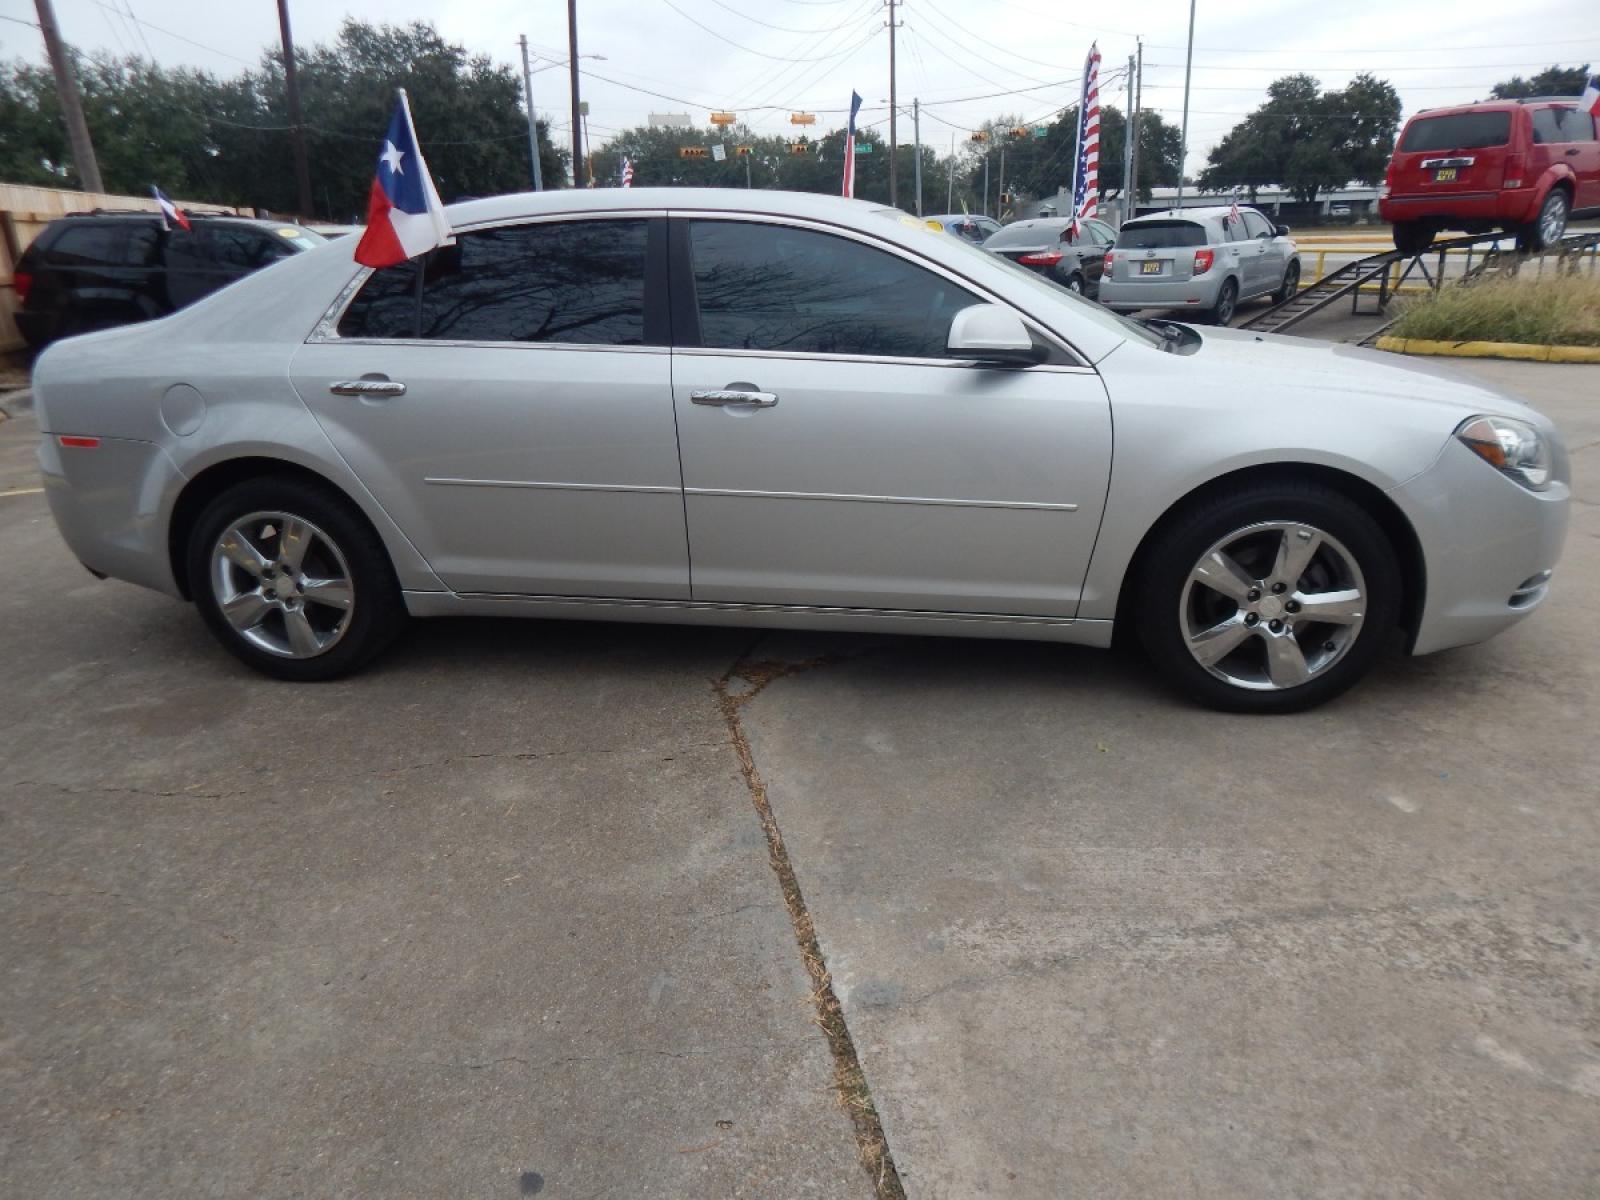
(786, 411)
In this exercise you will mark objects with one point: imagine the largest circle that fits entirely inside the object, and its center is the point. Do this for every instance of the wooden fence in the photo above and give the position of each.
(24, 211)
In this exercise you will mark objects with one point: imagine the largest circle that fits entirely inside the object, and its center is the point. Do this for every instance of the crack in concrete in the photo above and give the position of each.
(849, 1079)
(607, 1056)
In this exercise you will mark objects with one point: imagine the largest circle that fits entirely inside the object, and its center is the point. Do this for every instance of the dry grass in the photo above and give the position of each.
(849, 1080)
(1552, 311)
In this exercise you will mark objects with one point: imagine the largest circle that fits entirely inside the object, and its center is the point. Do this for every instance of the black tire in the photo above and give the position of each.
(1227, 303)
(1412, 237)
(1291, 284)
(1075, 283)
(376, 612)
(1166, 566)
(1546, 229)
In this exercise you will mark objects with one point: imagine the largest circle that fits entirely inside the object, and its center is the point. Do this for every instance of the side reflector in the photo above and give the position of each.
(79, 443)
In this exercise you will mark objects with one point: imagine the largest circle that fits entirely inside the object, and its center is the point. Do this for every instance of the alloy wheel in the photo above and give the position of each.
(1553, 219)
(282, 584)
(1273, 605)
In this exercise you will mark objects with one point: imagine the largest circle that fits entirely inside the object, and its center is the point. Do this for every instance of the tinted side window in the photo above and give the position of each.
(186, 252)
(574, 282)
(1256, 225)
(385, 307)
(772, 287)
(91, 245)
(243, 249)
(1561, 125)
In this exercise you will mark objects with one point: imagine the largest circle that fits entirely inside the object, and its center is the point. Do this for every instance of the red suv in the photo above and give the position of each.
(1523, 166)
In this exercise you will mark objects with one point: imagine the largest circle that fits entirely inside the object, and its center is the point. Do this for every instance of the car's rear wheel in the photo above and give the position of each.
(293, 580)
(1291, 284)
(1227, 301)
(1412, 237)
(1547, 228)
(1075, 283)
(1273, 599)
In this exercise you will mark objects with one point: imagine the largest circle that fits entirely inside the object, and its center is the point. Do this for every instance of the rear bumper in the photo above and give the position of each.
(111, 503)
(36, 328)
(1128, 295)
(1489, 545)
(1512, 207)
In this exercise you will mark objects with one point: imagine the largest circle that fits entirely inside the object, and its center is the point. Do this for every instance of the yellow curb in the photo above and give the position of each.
(21, 492)
(1515, 350)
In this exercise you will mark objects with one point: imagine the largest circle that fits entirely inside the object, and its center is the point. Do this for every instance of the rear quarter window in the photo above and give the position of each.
(1161, 235)
(107, 243)
(1457, 131)
(1561, 125)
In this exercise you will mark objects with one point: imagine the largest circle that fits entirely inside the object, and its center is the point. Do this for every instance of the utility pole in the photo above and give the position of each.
(533, 121)
(1138, 126)
(1188, 65)
(297, 132)
(1000, 187)
(1128, 128)
(572, 55)
(986, 183)
(916, 129)
(894, 175)
(747, 172)
(71, 102)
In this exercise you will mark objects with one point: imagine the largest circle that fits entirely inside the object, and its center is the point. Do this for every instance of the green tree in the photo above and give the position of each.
(1308, 140)
(1552, 81)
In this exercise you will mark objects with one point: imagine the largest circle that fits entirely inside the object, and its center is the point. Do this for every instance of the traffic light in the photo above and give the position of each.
(1018, 131)
(743, 151)
(1005, 198)
(979, 135)
(798, 147)
(692, 152)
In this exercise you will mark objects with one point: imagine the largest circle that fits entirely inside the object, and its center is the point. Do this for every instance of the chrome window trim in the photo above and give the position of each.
(327, 328)
(904, 254)
(951, 364)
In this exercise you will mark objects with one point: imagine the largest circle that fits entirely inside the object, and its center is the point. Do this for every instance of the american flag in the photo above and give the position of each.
(850, 147)
(1234, 215)
(1086, 173)
(627, 171)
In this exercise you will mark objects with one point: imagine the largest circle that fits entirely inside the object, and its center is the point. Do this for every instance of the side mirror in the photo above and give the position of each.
(993, 336)
(1280, 230)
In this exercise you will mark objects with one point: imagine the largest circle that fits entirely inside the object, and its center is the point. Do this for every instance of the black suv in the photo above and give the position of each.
(93, 270)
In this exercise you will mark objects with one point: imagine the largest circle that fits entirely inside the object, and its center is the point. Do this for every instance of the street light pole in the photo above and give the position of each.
(894, 191)
(916, 129)
(572, 60)
(1188, 66)
(533, 120)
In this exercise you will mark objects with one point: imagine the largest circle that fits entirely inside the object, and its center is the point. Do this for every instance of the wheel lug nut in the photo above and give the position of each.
(1251, 618)
(1275, 626)
(1253, 595)
(1279, 588)
(1293, 606)
(1329, 647)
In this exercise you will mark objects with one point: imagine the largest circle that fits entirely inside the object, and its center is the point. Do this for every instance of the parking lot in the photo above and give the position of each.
(498, 916)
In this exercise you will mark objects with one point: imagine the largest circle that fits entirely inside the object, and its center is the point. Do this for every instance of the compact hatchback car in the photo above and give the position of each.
(1200, 259)
(804, 412)
(1523, 166)
(1049, 246)
(94, 270)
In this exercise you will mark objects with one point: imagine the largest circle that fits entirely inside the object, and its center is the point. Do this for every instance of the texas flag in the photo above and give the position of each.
(850, 147)
(1591, 96)
(171, 214)
(404, 215)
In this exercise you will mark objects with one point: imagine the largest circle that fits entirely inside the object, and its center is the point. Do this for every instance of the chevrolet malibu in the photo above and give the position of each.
(791, 411)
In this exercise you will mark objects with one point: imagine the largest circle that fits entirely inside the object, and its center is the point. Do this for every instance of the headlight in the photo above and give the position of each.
(1513, 448)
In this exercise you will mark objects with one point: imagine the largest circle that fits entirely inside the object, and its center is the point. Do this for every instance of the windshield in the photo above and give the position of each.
(1082, 309)
(1160, 235)
(1458, 131)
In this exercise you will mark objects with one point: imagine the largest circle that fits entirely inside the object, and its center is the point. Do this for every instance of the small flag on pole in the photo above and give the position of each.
(850, 147)
(1234, 215)
(627, 172)
(171, 214)
(404, 215)
(1086, 171)
(1591, 96)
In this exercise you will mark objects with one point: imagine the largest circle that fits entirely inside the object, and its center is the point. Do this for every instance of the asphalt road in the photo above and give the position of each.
(497, 918)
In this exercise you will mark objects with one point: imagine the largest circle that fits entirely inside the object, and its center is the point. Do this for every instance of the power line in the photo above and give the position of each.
(768, 24)
(931, 7)
(1361, 70)
(736, 45)
(179, 36)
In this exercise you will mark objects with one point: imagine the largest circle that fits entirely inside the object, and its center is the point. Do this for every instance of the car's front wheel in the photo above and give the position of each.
(292, 579)
(1272, 599)
(1290, 286)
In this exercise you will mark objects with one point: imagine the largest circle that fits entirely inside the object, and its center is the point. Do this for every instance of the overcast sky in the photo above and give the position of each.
(766, 58)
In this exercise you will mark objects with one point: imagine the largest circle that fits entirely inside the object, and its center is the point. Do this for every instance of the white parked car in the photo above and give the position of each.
(786, 410)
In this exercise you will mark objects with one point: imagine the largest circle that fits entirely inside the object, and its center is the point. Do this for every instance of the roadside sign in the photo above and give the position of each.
(723, 118)
(863, 147)
(1040, 131)
(719, 153)
(802, 119)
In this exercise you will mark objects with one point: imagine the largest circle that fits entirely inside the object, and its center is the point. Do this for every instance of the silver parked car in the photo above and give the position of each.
(788, 411)
(1200, 261)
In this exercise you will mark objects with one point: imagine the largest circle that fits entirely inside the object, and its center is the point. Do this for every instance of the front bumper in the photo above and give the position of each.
(1128, 295)
(1488, 545)
(110, 502)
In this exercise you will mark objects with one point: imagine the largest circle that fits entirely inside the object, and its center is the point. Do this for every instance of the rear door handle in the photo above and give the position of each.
(368, 385)
(731, 396)
(1574, 150)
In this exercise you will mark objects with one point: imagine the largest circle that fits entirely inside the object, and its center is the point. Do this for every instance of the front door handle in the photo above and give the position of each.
(732, 396)
(1573, 151)
(368, 385)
